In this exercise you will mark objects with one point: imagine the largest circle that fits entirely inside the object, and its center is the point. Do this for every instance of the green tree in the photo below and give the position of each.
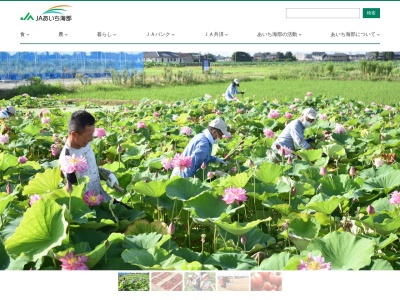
(241, 56)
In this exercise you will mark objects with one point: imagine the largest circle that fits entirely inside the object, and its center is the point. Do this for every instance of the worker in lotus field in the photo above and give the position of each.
(78, 151)
(9, 111)
(232, 91)
(200, 146)
(292, 136)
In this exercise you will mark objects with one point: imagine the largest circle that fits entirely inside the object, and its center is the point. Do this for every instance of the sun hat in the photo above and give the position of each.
(11, 110)
(236, 81)
(310, 113)
(218, 123)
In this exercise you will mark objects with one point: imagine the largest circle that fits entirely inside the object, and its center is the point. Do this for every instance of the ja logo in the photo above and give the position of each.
(27, 17)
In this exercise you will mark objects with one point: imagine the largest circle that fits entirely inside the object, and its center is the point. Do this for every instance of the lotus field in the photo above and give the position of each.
(332, 208)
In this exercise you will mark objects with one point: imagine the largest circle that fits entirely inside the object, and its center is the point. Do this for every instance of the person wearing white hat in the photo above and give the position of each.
(8, 112)
(292, 136)
(232, 90)
(200, 146)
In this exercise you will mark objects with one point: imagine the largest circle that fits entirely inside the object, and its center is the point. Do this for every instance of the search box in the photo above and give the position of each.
(322, 13)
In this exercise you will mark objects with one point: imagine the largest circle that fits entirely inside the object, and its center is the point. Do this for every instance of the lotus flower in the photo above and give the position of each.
(314, 263)
(182, 162)
(167, 163)
(140, 125)
(395, 199)
(91, 198)
(269, 133)
(73, 262)
(4, 139)
(234, 194)
(274, 114)
(186, 130)
(370, 210)
(34, 198)
(99, 132)
(74, 163)
(22, 160)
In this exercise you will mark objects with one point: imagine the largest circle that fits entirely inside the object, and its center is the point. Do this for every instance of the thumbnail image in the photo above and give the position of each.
(266, 281)
(166, 281)
(200, 281)
(233, 281)
(129, 281)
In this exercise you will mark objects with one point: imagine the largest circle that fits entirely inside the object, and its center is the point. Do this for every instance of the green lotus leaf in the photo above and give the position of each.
(276, 262)
(153, 258)
(269, 173)
(305, 228)
(237, 228)
(327, 206)
(382, 223)
(42, 228)
(373, 172)
(336, 185)
(183, 189)
(207, 207)
(344, 250)
(239, 180)
(31, 130)
(381, 265)
(98, 253)
(4, 200)
(344, 139)
(133, 152)
(334, 151)
(153, 189)
(7, 160)
(309, 155)
(43, 182)
(385, 182)
(232, 260)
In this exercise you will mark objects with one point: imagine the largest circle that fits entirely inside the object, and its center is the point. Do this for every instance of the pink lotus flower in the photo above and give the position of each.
(288, 115)
(203, 166)
(45, 120)
(339, 129)
(126, 109)
(233, 194)
(182, 162)
(352, 171)
(91, 198)
(186, 130)
(73, 262)
(395, 199)
(34, 198)
(269, 133)
(314, 263)
(233, 170)
(156, 114)
(140, 124)
(25, 95)
(388, 107)
(274, 114)
(68, 187)
(370, 210)
(167, 163)
(4, 139)
(296, 100)
(240, 110)
(285, 151)
(292, 106)
(210, 175)
(74, 163)
(55, 149)
(219, 112)
(323, 171)
(243, 239)
(378, 162)
(323, 116)
(171, 228)
(22, 160)
(9, 189)
(43, 111)
(309, 94)
(99, 132)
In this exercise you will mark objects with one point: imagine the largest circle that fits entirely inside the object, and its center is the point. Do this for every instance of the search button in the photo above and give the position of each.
(371, 13)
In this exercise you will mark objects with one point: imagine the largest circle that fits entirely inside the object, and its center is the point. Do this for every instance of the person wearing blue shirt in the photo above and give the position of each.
(292, 136)
(8, 112)
(200, 146)
(232, 90)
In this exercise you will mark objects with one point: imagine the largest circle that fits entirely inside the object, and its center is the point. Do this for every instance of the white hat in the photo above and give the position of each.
(11, 110)
(236, 81)
(310, 113)
(204, 275)
(218, 123)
